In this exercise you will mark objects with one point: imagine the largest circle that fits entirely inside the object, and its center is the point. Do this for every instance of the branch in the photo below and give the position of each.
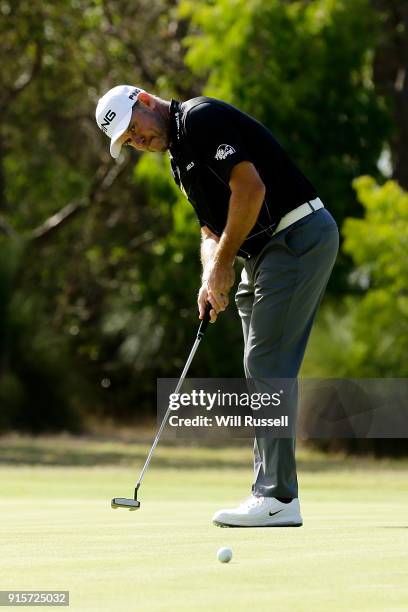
(25, 79)
(146, 74)
(105, 177)
(57, 220)
(6, 228)
(108, 13)
(140, 241)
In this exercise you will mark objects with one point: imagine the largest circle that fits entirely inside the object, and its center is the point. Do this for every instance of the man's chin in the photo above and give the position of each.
(161, 149)
(156, 145)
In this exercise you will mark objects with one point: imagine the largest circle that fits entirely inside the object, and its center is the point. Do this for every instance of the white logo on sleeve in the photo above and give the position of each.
(223, 151)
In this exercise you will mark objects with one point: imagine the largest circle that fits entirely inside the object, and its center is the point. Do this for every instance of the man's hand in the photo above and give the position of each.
(215, 289)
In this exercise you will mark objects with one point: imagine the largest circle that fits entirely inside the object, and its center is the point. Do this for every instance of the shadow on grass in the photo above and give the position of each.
(70, 451)
(85, 451)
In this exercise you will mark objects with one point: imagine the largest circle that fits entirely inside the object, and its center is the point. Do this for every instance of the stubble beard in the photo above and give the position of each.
(163, 122)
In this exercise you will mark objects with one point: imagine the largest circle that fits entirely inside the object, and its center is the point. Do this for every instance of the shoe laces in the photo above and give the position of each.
(251, 502)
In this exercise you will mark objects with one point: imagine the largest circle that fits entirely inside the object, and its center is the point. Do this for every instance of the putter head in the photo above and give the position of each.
(123, 502)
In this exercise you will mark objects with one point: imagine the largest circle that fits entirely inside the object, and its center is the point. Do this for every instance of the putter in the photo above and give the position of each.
(134, 504)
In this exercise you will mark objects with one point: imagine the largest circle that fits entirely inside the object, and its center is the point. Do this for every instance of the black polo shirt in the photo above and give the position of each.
(207, 139)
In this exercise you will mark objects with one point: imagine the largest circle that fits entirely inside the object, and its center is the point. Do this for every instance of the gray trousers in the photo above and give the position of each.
(277, 299)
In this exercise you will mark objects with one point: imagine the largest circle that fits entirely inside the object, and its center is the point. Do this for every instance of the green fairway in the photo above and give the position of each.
(59, 532)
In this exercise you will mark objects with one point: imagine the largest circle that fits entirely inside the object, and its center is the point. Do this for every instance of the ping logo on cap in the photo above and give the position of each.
(134, 94)
(107, 120)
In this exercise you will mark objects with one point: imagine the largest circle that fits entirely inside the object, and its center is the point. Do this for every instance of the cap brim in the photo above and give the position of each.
(115, 147)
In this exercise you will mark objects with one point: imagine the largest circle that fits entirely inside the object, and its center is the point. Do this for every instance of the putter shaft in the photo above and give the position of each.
(120, 502)
(166, 416)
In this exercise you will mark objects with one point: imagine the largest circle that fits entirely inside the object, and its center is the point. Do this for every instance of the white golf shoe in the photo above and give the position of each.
(260, 512)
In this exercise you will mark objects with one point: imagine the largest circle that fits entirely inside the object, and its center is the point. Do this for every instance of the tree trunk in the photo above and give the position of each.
(391, 78)
(3, 203)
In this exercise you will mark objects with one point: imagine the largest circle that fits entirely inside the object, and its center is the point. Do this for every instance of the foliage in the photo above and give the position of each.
(366, 334)
(378, 245)
(99, 265)
(38, 391)
(87, 254)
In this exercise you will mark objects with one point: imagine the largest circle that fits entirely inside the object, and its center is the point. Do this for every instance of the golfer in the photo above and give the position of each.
(252, 202)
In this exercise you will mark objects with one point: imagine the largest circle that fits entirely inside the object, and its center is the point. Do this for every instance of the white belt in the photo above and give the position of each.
(298, 213)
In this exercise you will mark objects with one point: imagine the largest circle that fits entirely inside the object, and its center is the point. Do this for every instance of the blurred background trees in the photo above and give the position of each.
(99, 263)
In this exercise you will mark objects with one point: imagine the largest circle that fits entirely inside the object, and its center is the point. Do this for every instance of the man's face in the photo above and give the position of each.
(148, 129)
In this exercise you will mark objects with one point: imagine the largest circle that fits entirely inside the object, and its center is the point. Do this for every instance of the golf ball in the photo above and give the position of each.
(224, 555)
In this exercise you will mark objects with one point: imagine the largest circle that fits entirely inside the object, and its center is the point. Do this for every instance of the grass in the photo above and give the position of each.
(58, 531)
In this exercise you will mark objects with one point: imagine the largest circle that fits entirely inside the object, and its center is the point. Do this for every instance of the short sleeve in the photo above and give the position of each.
(215, 138)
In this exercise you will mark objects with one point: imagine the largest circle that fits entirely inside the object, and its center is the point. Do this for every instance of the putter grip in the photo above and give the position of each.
(204, 322)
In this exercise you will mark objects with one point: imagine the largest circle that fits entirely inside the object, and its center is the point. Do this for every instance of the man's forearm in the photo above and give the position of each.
(208, 250)
(244, 207)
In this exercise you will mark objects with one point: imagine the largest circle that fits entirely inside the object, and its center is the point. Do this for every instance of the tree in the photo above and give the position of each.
(378, 245)
(366, 335)
(81, 232)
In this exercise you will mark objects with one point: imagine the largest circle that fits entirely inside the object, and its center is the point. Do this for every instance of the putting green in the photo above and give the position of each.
(59, 532)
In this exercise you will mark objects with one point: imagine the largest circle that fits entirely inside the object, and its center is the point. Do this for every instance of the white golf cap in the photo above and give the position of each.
(114, 111)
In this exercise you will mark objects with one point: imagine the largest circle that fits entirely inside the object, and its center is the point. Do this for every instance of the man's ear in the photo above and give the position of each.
(146, 99)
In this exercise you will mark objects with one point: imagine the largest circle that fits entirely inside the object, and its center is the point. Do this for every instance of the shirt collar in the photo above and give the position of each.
(175, 126)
